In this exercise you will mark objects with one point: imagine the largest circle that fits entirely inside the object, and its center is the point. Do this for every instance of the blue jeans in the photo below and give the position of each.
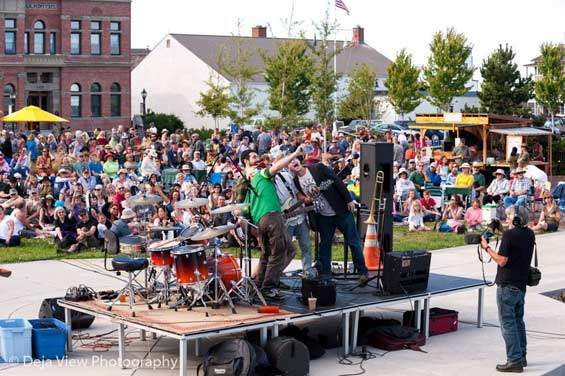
(346, 224)
(302, 233)
(518, 201)
(510, 302)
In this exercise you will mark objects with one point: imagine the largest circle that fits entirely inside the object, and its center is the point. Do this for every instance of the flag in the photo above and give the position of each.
(341, 5)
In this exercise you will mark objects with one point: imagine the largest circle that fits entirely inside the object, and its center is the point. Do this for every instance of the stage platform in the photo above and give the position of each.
(206, 322)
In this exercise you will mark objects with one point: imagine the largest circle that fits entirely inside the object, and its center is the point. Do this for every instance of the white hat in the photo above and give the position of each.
(498, 172)
(128, 214)
(402, 170)
(17, 175)
(465, 165)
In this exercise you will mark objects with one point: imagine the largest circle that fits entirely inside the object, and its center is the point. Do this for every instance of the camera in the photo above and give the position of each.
(487, 235)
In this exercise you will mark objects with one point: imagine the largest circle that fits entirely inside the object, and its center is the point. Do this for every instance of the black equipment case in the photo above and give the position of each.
(441, 320)
(290, 356)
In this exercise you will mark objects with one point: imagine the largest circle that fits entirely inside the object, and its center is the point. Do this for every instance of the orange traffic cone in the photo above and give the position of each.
(371, 250)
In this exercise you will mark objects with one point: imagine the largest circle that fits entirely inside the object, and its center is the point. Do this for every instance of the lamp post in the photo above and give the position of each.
(12, 102)
(143, 107)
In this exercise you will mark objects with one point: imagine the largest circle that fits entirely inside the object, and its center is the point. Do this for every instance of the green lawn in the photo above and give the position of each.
(37, 249)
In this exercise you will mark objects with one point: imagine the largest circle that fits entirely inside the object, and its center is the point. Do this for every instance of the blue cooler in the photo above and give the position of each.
(49, 338)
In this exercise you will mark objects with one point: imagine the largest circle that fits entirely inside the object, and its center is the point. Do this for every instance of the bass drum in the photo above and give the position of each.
(228, 269)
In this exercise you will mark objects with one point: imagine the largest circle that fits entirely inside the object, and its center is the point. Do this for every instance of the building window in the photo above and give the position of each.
(75, 25)
(115, 26)
(26, 43)
(9, 98)
(38, 43)
(53, 43)
(95, 48)
(115, 100)
(31, 77)
(75, 43)
(46, 77)
(96, 99)
(95, 25)
(9, 23)
(39, 25)
(115, 44)
(75, 101)
(10, 42)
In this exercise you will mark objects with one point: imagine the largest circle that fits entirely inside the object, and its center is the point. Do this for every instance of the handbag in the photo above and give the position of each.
(534, 274)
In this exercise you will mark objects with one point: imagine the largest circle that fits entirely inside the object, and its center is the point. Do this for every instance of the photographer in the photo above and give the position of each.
(513, 259)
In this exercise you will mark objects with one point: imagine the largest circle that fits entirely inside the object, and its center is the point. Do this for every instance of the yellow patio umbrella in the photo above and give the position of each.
(32, 114)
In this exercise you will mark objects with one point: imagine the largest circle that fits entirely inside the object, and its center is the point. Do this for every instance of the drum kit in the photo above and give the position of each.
(191, 268)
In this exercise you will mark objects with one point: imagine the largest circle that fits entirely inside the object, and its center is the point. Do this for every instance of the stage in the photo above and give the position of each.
(201, 323)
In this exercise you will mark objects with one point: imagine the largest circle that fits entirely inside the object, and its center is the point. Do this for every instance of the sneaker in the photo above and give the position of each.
(271, 294)
(509, 367)
(363, 280)
(5, 273)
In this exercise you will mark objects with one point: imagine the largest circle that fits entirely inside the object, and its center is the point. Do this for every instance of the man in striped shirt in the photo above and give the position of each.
(519, 189)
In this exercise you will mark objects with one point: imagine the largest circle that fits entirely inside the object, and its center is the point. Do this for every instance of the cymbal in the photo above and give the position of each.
(165, 228)
(229, 208)
(144, 199)
(213, 232)
(191, 203)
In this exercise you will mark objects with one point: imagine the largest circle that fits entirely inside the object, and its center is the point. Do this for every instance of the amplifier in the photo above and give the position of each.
(324, 290)
(406, 272)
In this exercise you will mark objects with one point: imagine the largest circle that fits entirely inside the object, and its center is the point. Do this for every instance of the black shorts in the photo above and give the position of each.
(552, 227)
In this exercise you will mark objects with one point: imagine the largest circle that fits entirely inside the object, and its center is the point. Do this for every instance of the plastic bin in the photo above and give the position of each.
(15, 341)
(49, 338)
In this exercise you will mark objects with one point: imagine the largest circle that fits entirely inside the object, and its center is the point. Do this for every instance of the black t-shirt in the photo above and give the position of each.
(88, 224)
(518, 245)
(69, 225)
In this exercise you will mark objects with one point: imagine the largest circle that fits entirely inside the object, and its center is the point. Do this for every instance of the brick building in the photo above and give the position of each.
(69, 57)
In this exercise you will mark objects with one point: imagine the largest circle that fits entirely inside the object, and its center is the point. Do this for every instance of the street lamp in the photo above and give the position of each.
(12, 102)
(143, 97)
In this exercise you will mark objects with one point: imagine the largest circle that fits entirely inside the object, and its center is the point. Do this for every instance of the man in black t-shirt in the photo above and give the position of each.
(86, 232)
(513, 259)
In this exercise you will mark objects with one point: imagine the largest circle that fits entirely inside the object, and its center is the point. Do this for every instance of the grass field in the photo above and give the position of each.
(38, 249)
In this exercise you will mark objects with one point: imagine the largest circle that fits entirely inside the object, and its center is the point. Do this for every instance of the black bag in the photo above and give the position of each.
(534, 274)
(289, 356)
(234, 357)
(315, 348)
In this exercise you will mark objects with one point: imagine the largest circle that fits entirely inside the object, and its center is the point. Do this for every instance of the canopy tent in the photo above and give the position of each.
(32, 114)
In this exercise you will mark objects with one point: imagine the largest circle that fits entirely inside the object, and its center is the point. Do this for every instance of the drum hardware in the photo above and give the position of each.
(143, 199)
(132, 244)
(229, 208)
(214, 232)
(192, 203)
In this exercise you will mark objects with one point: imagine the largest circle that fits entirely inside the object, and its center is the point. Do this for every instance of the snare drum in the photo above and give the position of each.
(132, 244)
(190, 264)
(228, 269)
(160, 252)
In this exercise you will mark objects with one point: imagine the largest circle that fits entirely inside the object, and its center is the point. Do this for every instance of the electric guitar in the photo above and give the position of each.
(290, 209)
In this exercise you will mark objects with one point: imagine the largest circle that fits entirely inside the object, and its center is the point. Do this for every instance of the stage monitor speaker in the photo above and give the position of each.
(376, 157)
(50, 309)
(406, 272)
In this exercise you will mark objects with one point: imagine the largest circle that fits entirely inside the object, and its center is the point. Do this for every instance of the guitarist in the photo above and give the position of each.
(296, 224)
(335, 207)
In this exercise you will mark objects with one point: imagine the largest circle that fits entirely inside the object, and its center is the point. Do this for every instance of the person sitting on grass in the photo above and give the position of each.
(405, 209)
(453, 214)
(86, 233)
(65, 229)
(550, 215)
(7, 236)
(416, 218)
(403, 185)
(474, 216)
(429, 206)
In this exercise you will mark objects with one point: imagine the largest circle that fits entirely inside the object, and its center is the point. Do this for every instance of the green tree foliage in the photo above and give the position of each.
(359, 103)
(164, 121)
(447, 72)
(503, 91)
(214, 102)
(234, 64)
(324, 79)
(550, 86)
(289, 76)
(403, 84)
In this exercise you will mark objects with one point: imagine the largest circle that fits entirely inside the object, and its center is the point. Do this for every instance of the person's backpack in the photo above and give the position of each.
(233, 357)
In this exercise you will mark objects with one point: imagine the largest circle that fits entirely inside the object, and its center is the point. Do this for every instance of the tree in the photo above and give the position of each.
(215, 101)
(324, 79)
(403, 84)
(550, 87)
(234, 64)
(447, 72)
(289, 75)
(162, 121)
(503, 90)
(359, 103)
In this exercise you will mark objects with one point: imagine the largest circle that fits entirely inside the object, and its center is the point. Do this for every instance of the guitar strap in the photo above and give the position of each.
(289, 189)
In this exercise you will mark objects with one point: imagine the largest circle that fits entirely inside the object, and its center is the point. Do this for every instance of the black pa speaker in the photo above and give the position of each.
(50, 309)
(376, 157)
(406, 272)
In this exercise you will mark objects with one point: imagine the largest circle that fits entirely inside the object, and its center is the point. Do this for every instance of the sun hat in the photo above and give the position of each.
(128, 214)
(465, 165)
(477, 164)
(499, 172)
(520, 170)
(402, 170)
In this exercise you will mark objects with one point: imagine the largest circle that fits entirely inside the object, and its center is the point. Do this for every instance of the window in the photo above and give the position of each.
(95, 44)
(114, 44)
(26, 43)
(95, 100)
(9, 23)
(9, 98)
(53, 43)
(75, 43)
(46, 77)
(115, 100)
(38, 43)
(75, 101)
(75, 25)
(39, 25)
(95, 25)
(115, 26)
(32, 77)
(10, 42)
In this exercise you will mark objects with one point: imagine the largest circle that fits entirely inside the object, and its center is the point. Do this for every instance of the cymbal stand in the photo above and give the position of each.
(164, 294)
(245, 288)
(220, 291)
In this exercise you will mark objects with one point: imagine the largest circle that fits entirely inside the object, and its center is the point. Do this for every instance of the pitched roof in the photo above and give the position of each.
(207, 48)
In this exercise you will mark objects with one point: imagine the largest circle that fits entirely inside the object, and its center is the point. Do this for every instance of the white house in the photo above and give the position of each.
(175, 71)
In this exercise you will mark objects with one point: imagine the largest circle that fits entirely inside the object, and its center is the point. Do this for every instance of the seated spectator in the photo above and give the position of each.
(405, 208)
(519, 189)
(453, 215)
(416, 218)
(65, 229)
(111, 166)
(403, 185)
(498, 188)
(464, 179)
(87, 236)
(433, 176)
(452, 176)
(429, 207)
(419, 177)
(479, 182)
(8, 238)
(550, 215)
(47, 213)
(474, 216)
(121, 227)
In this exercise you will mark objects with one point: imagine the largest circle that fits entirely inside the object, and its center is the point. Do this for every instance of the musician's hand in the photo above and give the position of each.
(307, 200)
(351, 206)
(236, 212)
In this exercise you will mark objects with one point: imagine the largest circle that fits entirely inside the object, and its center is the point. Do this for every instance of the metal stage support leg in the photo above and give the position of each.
(183, 357)
(427, 317)
(417, 315)
(354, 330)
(345, 329)
(153, 335)
(121, 346)
(480, 309)
(68, 321)
(264, 335)
(197, 344)
(143, 335)
(275, 330)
